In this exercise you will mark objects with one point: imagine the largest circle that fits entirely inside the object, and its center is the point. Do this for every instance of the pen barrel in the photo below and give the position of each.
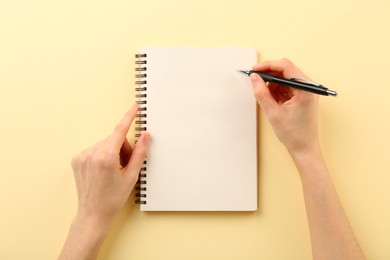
(316, 89)
(300, 85)
(265, 77)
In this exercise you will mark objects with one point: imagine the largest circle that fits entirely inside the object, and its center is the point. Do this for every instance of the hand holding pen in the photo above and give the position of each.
(293, 115)
(291, 111)
(299, 83)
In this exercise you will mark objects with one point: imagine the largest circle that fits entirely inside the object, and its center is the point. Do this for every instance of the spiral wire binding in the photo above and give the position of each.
(140, 121)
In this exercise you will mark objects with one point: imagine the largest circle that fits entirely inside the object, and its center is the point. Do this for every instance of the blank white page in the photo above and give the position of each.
(201, 114)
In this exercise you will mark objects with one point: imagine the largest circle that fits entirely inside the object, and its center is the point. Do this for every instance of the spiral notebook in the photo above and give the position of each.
(202, 118)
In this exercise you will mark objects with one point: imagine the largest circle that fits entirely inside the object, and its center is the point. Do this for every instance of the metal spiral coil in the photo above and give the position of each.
(140, 96)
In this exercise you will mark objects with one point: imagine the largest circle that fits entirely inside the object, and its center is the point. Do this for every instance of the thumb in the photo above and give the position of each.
(137, 158)
(262, 93)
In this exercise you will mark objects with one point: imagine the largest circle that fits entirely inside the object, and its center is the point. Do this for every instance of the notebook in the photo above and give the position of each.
(202, 117)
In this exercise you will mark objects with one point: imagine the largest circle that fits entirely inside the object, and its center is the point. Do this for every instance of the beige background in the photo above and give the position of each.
(66, 78)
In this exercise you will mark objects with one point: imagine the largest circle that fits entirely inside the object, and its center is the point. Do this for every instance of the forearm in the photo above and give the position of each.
(331, 234)
(85, 237)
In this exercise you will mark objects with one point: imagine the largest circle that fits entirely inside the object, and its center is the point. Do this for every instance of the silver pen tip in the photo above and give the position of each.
(245, 72)
(331, 93)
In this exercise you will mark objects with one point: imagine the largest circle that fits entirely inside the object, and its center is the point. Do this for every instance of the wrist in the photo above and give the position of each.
(311, 149)
(311, 166)
(307, 157)
(98, 224)
(85, 237)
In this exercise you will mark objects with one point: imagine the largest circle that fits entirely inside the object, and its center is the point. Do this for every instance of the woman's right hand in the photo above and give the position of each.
(291, 112)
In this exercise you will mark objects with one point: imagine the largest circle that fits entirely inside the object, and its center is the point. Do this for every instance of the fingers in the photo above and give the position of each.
(125, 153)
(137, 157)
(280, 93)
(118, 137)
(283, 66)
(262, 93)
(271, 65)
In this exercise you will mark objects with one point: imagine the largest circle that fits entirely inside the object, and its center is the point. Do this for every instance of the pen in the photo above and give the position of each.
(294, 83)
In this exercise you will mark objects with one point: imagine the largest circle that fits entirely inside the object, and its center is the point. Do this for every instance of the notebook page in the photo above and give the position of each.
(201, 115)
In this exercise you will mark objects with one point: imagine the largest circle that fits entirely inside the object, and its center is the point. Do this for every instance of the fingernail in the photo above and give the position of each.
(134, 106)
(254, 77)
(147, 138)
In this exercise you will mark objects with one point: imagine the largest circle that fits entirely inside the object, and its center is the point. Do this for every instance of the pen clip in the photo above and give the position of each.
(306, 81)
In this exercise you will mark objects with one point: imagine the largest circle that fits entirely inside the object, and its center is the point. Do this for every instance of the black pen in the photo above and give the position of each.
(294, 83)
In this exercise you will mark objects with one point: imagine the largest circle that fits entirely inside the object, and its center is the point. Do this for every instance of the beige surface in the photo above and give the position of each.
(66, 79)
